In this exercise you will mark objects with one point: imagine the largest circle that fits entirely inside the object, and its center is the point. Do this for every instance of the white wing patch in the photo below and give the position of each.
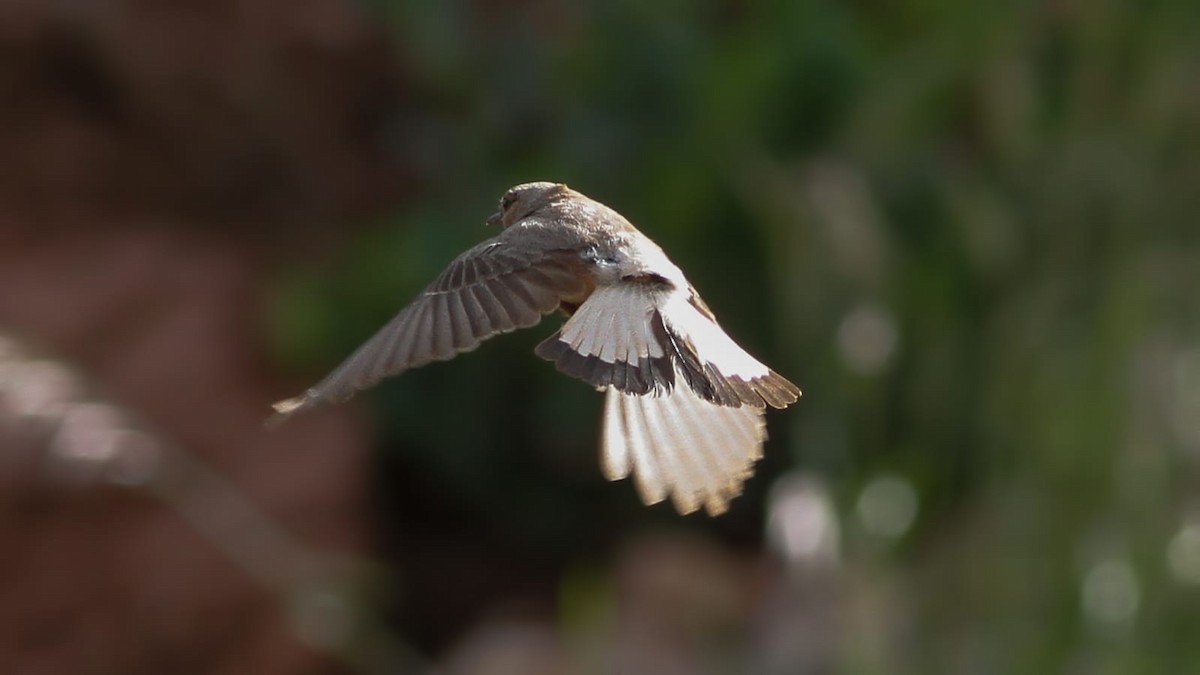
(614, 325)
(709, 342)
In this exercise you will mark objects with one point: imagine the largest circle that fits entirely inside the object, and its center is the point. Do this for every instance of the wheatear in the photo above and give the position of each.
(684, 403)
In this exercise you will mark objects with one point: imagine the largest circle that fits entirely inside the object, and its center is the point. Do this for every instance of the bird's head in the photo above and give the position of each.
(522, 200)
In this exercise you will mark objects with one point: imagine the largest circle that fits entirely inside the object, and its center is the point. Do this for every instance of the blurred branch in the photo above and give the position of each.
(90, 442)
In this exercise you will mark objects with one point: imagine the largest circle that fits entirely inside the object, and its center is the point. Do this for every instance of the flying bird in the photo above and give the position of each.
(683, 402)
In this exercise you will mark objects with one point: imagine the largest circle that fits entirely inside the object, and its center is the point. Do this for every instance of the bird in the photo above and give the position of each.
(684, 404)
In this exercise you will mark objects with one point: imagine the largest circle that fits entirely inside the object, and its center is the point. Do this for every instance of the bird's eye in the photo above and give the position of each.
(507, 201)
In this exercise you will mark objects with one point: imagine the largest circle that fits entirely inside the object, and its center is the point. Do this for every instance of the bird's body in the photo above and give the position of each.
(684, 403)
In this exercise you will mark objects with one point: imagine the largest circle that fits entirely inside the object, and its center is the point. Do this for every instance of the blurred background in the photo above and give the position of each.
(968, 231)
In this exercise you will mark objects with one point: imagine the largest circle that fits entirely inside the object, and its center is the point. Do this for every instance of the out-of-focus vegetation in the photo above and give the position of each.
(967, 230)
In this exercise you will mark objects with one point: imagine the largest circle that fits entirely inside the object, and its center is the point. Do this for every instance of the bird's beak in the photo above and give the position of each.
(494, 219)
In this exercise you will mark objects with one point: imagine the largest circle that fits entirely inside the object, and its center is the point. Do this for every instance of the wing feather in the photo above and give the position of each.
(603, 343)
(502, 284)
(460, 324)
(406, 332)
(443, 336)
(728, 375)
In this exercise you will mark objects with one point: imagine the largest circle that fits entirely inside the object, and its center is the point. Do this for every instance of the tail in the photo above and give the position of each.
(677, 444)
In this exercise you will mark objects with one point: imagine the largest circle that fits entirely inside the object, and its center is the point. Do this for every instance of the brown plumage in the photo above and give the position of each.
(684, 403)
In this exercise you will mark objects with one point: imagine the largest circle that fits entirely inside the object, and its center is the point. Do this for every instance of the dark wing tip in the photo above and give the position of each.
(639, 378)
(777, 390)
(732, 391)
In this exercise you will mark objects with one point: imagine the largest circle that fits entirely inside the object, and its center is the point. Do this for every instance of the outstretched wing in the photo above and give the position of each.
(679, 445)
(641, 335)
(500, 285)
